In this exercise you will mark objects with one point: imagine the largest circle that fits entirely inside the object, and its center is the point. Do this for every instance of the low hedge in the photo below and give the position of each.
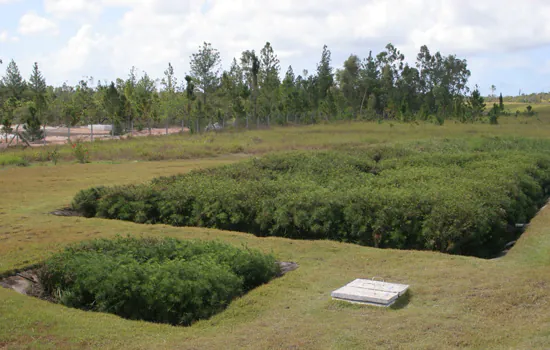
(450, 196)
(158, 280)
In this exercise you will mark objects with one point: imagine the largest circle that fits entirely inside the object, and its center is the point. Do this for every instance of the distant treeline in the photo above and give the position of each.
(252, 91)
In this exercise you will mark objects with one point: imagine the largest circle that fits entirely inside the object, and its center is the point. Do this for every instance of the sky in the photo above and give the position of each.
(506, 43)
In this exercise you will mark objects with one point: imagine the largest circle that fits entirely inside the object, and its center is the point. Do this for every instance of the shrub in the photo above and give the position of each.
(6, 159)
(80, 151)
(54, 155)
(158, 280)
(452, 196)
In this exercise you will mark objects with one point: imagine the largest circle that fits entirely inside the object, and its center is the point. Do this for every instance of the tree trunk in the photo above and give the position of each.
(44, 135)
(362, 102)
(91, 132)
(166, 126)
(182, 126)
(247, 121)
(69, 133)
(197, 129)
(257, 122)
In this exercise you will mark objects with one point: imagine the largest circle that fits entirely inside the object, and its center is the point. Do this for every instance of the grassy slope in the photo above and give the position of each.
(456, 301)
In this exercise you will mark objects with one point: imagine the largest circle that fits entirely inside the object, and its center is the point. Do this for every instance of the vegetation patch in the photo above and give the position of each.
(159, 280)
(460, 197)
(8, 159)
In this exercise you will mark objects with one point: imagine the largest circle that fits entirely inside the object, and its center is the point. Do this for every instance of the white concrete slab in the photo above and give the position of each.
(400, 289)
(370, 292)
(364, 295)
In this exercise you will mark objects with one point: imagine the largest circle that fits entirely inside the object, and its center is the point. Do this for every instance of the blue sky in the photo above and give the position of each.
(506, 43)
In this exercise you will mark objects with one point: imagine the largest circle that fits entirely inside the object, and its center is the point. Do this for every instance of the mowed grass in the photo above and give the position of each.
(455, 301)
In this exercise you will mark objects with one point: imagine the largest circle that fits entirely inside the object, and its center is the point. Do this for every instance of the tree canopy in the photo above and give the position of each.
(382, 86)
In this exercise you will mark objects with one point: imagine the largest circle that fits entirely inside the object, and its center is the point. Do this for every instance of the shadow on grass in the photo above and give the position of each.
(403, 301)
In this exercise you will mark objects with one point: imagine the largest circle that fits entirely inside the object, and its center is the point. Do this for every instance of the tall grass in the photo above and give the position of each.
(325, 136)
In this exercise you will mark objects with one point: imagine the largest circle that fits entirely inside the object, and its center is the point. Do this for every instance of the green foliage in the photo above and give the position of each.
(494, 114)
(158, 280)
(80, 152)
(54, 155)
(32, 128)
(448, 196)
(9, 159)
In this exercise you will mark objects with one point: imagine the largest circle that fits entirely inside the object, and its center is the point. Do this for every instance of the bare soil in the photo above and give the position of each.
(60, 135)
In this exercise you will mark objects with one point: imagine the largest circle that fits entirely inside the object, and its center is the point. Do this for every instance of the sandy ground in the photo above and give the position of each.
(59, 135)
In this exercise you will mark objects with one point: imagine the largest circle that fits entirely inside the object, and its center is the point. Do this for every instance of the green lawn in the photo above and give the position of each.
(455, 301)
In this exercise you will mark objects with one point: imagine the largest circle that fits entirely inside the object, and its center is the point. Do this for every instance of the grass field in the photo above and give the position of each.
(156, 148)
(455, 301)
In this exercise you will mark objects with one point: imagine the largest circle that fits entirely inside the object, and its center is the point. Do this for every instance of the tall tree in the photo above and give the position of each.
(169, 102)
(205, 70)
(190, 94)
(146, 98)
(37, 88)
(13, 81)
(325, 74)
(251, 68)
(348, 81)
(113, 105)
(269, 75)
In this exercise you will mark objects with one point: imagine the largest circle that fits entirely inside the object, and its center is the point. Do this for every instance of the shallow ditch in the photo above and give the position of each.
(152, 279)
(27, 282)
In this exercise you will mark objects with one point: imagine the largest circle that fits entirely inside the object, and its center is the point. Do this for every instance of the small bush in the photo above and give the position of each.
(80, 151)
(54, 155)
(158, 280)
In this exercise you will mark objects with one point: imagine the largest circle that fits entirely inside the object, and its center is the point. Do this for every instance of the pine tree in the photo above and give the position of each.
(113, 105)
(37, 88)
(325, 76)
(501, 102)
(13, 81)
(32, 128)
(476, 104)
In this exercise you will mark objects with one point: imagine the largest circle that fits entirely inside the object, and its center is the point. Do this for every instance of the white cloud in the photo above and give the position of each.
(153, 32)
(69, 8)
(6, 37)
(31, 23)
(83, 52)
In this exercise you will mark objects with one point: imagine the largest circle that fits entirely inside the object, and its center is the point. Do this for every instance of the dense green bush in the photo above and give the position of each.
(158, 280)
(459, 196)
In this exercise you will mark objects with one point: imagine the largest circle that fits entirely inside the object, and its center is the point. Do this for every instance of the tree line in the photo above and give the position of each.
(252, 92)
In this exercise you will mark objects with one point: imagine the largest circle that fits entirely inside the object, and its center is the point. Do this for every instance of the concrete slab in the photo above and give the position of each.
(370, 292)
(400, 289)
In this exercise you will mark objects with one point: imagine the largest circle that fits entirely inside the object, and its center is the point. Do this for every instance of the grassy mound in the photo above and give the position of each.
(158, 280)
(460, 197)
